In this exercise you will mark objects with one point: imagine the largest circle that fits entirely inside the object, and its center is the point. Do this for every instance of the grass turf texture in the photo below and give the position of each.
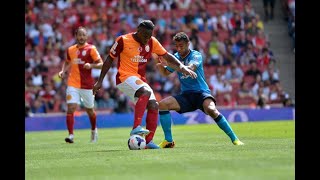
(201, 152)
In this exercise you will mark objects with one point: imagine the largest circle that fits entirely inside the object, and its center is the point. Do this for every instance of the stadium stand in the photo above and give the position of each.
(49, 27)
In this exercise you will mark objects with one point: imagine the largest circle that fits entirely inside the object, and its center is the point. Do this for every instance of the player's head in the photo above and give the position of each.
(81, 35)
(144, 31)
(181, 41)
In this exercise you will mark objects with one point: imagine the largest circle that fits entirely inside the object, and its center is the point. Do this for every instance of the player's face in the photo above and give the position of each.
(82, 36)
(182, 47)
(144, 35)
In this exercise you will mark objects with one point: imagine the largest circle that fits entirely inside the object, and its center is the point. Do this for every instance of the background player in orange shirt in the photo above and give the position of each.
(81, 58)
(133, 51)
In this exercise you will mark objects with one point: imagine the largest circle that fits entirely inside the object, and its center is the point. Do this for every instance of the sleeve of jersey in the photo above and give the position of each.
(116, 48)
(196, 60)
(157, 48)
(95, 54)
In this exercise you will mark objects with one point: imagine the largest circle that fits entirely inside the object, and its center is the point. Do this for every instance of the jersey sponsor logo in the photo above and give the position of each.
(77, 61)
(69, 97)
(139, 59)
(147, 48)
(113, 48)
(138, 82)
(185, 76)
(84, 53)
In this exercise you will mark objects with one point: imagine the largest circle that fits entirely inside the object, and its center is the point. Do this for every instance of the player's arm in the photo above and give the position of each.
(195, 62)
(172, 61)
(105, 68)
(192, 67)
(175, 64)
(163, 69)
(65, 67)
(115, 51)
(97, 63)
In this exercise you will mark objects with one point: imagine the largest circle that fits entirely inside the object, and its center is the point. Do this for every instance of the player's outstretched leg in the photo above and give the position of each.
(70, 124)
(94, 135)
(140, 131)
(152, 123)
(93, 121)
(165, 120)
(225, 126)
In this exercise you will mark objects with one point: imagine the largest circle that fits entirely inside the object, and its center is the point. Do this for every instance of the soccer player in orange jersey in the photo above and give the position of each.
(134, 51)
(81, 58)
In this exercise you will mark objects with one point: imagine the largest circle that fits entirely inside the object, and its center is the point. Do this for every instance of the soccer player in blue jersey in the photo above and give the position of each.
(195, 93)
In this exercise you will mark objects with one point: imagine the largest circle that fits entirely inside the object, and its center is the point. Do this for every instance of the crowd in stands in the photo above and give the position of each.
(239, 64)
(289, 9)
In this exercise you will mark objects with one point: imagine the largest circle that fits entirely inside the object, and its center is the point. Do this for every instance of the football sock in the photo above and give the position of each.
(139, 109)
(93, 121)
(165, 120)
(70, 122)
(151, 123)
(225, 126)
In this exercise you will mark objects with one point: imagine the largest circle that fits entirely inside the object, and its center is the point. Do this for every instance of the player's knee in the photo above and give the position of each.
(90, 111)
(212, 111)
(163, 105)
(147, 92)
(71, 109)
(144, 91)
(153, 104)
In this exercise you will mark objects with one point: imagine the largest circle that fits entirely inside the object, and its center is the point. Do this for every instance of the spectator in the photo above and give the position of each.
(106, 102)
(234, 73)
(216, 48)
(264, 58)
(268, 6)
(271, 73)
(245, 90)
(259, 41)
(247, 54)
(253, 69)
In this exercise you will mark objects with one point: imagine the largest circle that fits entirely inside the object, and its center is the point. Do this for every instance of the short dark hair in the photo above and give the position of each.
(78, 28)
(181, 36)
(148, 24)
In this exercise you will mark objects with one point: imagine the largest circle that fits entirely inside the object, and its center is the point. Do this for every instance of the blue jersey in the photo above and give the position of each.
(187, 83)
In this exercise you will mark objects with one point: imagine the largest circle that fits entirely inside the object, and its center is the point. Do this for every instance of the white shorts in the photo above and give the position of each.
(131, 85)
(75, 95)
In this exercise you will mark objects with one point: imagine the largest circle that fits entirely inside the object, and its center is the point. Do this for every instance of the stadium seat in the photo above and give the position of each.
(246, 100)
(249, 79)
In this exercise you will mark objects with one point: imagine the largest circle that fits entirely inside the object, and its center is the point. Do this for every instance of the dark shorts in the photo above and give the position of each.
(192, 101)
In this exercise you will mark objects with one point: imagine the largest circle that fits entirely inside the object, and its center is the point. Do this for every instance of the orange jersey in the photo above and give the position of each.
(133, 56)
(78, 76)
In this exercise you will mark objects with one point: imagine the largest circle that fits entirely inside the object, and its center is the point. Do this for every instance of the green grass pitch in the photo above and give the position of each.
(202, 152)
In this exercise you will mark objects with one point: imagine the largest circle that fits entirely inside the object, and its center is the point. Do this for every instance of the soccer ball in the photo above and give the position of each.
(136, 142)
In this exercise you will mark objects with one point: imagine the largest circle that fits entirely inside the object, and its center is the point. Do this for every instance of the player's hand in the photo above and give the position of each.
(186, 71)
(96, 87)
(162, 61)
(87, 66)
(159, 65)
(61, 74)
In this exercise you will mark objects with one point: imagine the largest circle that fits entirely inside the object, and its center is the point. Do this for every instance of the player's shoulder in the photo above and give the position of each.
(125, 36)
(195, 53)
(72, 47)
(91, 46)
(154, 39)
